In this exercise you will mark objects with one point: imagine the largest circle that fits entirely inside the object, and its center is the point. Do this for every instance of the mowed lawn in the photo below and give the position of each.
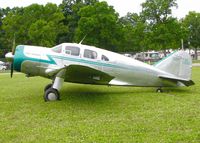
(88, 113)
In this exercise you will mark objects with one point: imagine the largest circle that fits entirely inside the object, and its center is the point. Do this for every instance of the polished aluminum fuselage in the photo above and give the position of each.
(38, 61)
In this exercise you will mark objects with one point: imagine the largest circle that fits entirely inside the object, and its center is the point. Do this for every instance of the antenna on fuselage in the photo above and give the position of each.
(83, 39)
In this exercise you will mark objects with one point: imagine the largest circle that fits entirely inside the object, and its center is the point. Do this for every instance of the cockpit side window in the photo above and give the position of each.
(71, 50)
(104, 58)
(57, 49)
(90, 54)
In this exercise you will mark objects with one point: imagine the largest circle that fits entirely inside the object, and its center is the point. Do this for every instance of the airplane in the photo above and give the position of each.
(84, 64)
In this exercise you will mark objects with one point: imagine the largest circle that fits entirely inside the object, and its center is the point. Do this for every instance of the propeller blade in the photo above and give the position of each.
(10, 57)
(13, 53)
(11, 70)
(13, 48)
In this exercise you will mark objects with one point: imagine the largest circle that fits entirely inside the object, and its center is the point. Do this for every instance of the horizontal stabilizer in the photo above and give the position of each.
(185, 82)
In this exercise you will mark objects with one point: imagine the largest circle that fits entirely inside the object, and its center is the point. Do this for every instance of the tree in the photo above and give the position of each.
(3, 40)
(70, 10)
(100, 23)
(164, 30)
(1, 31)
(134, 29)
(46, 31)
(192, 23)
(157, 11)
(25, 24)
(7, 32)
(166, 35)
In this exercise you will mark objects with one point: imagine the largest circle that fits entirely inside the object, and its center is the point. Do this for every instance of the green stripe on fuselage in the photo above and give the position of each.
(85, 61)
(19, 58)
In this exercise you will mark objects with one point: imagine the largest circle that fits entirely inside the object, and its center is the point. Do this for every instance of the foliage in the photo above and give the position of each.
(157, 11)
(89, 113)
(192, 23)
(166, 35)
(3, 13)
(135, 36)
(164, 31)
(35, 24)
(71, 21)
(99, 23)
(70, 10)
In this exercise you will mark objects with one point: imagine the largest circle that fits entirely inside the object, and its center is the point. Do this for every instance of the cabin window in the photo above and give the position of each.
(104, 58)
(71, 50)
(57, 49)
(90, 54)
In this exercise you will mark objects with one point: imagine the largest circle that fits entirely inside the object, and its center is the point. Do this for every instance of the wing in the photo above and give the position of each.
(81, 74)
(184, 81)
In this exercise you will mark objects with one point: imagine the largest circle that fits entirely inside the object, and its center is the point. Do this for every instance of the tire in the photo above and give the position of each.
(159, 90)
(51, 94)
(47, 87)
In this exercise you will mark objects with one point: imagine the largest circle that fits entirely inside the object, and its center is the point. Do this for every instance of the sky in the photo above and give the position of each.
(121, 6)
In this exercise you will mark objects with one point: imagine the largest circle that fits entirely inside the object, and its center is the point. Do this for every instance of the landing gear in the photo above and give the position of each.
(51, 94)
(51, 91)
(159, 90)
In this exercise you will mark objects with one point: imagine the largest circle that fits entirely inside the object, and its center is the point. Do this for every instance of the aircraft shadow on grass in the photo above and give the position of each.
(90, 95)
(96, 95)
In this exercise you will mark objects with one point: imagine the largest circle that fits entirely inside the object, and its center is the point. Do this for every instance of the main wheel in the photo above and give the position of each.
(51, 94)
(47, 87)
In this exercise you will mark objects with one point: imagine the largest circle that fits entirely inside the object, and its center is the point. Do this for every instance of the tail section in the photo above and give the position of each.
(178, 64)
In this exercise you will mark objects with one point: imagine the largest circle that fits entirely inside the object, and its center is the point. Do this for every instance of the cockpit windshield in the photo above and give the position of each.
(57, 49)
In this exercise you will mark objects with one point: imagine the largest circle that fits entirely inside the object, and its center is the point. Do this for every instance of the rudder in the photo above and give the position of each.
(178, 63)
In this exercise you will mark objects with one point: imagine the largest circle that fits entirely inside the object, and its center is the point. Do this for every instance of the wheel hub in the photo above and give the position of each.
(52, 97)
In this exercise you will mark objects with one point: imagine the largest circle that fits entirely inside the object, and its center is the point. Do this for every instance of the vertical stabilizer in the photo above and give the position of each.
(178, 63)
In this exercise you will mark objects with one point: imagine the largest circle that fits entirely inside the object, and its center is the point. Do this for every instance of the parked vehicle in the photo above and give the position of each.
(2, 66)
(148, 56)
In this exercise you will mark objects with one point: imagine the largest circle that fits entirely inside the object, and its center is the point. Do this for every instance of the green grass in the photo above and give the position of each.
(88, 113)
(196, 61)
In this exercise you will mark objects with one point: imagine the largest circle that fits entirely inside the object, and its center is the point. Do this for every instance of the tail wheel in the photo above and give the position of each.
(51, 94)
(159, 90)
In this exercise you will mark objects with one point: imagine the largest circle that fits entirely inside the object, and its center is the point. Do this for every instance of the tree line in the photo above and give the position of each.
(48, 25)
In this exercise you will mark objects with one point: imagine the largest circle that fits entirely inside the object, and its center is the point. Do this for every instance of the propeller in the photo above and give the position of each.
(10, 57)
